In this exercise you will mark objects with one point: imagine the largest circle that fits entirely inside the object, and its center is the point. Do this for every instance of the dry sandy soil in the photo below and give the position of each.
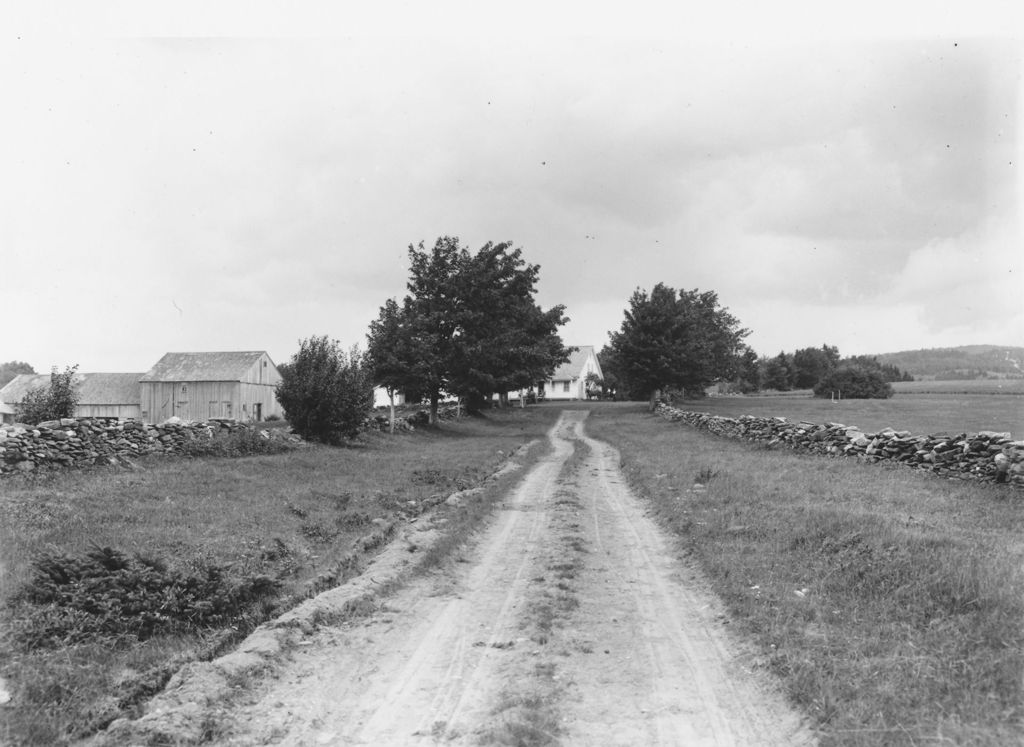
(570, 620)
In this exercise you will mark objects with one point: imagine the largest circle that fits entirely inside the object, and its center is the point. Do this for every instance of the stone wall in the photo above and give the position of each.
(79, 442)
(988, 456)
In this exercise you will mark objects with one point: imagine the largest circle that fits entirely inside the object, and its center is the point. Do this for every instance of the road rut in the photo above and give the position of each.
(569, 621)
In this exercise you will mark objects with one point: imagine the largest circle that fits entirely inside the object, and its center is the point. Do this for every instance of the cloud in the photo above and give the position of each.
(971, 281)
(275, 184)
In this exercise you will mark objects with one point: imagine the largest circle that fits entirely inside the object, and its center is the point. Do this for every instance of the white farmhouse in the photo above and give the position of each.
(570, 379)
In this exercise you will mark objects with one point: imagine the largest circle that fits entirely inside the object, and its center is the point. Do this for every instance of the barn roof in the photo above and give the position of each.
(574, 368)
(227, 366)
(93, 388)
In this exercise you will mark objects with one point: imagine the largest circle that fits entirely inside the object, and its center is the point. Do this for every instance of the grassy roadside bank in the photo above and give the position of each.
(289, 519)
(890, 604)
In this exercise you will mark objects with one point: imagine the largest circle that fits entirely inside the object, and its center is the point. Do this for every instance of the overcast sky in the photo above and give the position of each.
(163, 193)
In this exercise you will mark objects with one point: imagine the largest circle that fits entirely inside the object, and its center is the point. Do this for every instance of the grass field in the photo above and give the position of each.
(890, 603)
(920, 413)
(973, 386)
(289, 517)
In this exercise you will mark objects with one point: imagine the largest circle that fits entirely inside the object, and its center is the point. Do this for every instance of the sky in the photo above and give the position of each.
(248, 180)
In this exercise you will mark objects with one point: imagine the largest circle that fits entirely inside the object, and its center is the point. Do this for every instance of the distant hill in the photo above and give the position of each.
(965, 362)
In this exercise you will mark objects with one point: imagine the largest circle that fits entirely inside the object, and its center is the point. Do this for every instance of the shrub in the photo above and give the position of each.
(854, 382)
(58, 400)
(105, 593)
(326, 394)
(237, 443)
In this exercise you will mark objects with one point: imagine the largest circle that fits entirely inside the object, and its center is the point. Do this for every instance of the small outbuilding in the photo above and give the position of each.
(200, 386)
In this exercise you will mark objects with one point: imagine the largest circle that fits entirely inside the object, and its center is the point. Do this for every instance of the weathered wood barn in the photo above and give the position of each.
(111, 395)
(199, 386)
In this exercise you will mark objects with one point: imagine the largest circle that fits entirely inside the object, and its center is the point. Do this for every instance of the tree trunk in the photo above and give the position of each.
(433, 408)
(654, 398)
(391, 396)
(503, 400)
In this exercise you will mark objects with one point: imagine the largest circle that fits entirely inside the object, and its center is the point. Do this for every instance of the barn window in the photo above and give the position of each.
(184, 388)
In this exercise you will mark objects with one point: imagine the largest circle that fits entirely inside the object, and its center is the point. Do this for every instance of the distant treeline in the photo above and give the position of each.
(961, 363)
(816, 368)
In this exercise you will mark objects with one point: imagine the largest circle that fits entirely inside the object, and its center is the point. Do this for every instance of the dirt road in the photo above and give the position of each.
(569, 621)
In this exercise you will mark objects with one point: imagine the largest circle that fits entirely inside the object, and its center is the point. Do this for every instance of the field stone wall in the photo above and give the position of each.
(80, 442)
(987, 456)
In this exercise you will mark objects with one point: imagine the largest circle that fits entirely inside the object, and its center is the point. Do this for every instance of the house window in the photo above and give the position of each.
(565, 386)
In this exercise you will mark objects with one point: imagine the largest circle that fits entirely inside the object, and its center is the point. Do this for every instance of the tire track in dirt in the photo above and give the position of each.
(668, 674)
(570, 621)
(430, 667)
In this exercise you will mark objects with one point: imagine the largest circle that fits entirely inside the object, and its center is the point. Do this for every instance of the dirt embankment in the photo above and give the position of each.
(568, 620)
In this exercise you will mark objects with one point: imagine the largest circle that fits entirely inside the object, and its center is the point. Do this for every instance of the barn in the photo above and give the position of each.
(200, 386)
(109, 395)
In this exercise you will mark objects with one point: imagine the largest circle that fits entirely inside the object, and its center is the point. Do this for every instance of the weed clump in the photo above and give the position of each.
(240, 442)
(105, 593)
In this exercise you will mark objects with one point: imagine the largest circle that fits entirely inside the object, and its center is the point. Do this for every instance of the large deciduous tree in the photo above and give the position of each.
(679, 339)
(778, 373)
(469, 325)
(812, 364)
(388, 354)
(326, 394)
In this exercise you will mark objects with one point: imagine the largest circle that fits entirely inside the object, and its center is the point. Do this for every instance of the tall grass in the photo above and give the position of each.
(890, 603)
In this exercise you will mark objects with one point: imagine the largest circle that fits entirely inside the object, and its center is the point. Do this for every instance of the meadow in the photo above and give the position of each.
(890, 603)
(917, 408)
(268, 524)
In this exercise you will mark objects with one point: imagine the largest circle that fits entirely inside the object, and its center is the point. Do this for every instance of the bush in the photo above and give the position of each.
(106, 593)
(58, 400)
(854, 382)
(326, 394)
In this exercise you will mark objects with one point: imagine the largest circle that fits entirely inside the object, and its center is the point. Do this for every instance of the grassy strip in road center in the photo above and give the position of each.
(528, 709)
(890, 603)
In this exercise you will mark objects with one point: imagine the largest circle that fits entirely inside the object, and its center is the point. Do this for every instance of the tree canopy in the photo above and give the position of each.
(10, 369)
(854, 381)
(675, 339)
(469, 325)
